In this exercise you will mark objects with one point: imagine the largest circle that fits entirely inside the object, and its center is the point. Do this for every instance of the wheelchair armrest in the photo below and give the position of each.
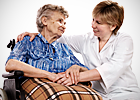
(12, 85)
(13, 74)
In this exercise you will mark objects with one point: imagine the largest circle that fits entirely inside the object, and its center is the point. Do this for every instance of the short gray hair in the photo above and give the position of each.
(46, 11)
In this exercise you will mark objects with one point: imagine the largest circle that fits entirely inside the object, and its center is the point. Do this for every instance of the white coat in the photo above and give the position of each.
(113, 63)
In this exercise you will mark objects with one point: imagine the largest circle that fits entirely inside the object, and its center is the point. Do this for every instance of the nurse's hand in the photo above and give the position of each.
(73, 72)
(22, 35)
(62, 79)
(67, 81)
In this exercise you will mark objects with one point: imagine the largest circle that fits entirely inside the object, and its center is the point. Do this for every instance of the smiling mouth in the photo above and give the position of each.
(95, 31)
(61, 30)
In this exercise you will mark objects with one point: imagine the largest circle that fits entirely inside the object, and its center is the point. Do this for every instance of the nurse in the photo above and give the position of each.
(107, 52)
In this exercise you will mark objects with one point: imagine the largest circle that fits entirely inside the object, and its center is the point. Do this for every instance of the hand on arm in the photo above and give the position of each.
(89, 75)
(74, 72)
(66, 81)
(22, 35)
(62, 79)
(70, 76)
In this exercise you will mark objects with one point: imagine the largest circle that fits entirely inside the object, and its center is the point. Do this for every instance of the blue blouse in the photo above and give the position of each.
(55, 57)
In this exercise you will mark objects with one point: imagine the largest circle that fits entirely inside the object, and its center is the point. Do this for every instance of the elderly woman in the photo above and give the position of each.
(107, 52)
(44, 57)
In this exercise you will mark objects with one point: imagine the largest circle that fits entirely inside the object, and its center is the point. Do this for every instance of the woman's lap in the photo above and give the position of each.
(42, 89)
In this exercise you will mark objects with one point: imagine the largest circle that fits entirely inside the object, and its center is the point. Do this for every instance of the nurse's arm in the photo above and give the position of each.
(90, 75)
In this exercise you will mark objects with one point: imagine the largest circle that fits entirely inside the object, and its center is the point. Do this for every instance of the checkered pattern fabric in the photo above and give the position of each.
(43, 89)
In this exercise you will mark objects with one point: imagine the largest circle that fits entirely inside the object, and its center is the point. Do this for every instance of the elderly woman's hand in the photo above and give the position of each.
(22, 35)
(52, 76)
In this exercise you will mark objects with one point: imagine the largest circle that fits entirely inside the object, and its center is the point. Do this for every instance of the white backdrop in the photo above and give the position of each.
(18, 16)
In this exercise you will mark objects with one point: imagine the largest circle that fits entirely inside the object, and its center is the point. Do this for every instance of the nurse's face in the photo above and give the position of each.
(101, 29)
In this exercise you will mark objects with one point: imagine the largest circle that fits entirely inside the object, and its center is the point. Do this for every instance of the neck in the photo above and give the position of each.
(104, 39)
(46, 34)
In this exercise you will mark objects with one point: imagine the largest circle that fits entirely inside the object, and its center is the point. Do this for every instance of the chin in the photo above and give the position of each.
(59, 35)
(96, 34)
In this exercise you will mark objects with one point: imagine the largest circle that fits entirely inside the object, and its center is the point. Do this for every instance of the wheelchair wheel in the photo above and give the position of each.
(3, 95)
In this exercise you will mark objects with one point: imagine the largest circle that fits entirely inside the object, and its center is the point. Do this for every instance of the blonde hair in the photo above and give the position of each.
(46, 11)
(109, 12)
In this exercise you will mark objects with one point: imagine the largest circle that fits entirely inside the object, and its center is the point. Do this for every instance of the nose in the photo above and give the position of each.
(93, 24)
(63, 26)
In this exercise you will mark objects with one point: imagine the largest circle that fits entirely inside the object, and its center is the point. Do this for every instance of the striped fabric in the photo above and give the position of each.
(43, 89)
(55, 57)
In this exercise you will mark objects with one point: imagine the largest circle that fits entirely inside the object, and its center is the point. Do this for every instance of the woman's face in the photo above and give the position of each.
(56, 25)
(101, 29)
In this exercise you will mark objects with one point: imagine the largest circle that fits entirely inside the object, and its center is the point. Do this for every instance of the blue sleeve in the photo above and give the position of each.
(20, 51)
(75, 60)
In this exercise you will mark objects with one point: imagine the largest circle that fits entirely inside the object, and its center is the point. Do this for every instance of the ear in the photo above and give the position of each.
(44, 20)
(112, 27)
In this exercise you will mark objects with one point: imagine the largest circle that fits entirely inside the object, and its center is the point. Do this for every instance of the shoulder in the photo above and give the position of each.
(23, 44)
(121, 35)
(62, 45)
(26, 38)
(124, 40)
(26, 41)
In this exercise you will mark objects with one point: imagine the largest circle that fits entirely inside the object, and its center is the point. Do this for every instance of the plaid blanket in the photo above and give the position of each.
(43, 89)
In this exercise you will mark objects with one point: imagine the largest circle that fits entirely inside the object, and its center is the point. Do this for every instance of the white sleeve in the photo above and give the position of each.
(120, 60)
(75, 42)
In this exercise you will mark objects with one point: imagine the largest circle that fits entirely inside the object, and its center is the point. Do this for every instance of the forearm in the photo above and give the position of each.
(90, 75)
(82, 69)
(29, 71)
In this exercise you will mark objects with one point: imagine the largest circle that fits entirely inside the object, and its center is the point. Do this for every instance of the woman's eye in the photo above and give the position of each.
(98, 22)
(60, 21)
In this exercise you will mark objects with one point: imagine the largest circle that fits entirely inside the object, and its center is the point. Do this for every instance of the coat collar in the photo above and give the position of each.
(111, 39)
(95, 40)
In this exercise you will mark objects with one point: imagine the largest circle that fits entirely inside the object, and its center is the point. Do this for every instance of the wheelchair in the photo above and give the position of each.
(11, 86)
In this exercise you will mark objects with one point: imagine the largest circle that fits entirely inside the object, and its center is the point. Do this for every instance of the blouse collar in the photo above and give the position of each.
(45, 41)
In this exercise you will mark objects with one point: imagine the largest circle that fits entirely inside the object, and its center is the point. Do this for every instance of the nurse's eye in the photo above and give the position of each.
(98, 22)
